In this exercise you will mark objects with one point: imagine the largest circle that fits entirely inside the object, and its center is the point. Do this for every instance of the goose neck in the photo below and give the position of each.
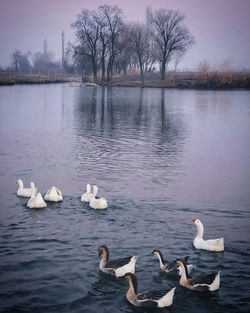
(105, 257)
(184, 274)
(200, 231)
(95, 190)
(88, 188)
(161, 260)
(33, 190)
(20, 183)
(132, 291)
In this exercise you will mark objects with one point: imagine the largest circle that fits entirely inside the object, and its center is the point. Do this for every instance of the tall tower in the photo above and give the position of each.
(45, 46)
(63, 57)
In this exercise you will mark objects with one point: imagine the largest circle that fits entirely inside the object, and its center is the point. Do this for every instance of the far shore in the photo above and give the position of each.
(181, 80)
(31, 79)
(186, 80)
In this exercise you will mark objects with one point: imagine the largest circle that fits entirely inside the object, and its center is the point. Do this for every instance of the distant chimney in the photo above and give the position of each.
(63, 57)
(45, 46)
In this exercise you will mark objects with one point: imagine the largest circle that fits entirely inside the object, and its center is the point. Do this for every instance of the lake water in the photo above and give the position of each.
(160, 158)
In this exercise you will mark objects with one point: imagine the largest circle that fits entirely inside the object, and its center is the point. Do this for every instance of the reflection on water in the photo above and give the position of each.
(160, 157)
(125, 134)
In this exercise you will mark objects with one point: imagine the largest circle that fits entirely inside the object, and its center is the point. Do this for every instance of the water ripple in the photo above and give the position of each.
(160, 157)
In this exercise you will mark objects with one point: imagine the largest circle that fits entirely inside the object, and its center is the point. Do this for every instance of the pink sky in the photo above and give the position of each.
(221, 27)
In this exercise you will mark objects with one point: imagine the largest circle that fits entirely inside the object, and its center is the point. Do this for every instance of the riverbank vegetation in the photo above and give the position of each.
(12, 78)
(109, 51)
(213, 80)
(105, 43)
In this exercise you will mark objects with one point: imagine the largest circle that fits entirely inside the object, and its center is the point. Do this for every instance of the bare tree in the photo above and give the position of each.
(125, 54)
(77, 63)
(112, 19)
(97, 35)
(105, 37)
(170, 35)
(87, 32)
(140, 45)
(83, 65)
(151, 58)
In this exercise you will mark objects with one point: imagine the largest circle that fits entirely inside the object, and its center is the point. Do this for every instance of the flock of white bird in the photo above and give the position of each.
(54, 195)
(90, 197)
(126, 266)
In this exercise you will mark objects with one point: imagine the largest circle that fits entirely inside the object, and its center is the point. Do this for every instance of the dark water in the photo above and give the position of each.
(160, 158)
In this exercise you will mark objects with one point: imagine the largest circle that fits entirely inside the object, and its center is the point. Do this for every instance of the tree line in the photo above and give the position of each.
(103, 41)
(40, 62)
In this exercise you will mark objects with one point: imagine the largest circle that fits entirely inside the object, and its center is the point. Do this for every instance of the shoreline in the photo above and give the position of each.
(211, 81)
(31, 79)
(186, 80)
(182, 87)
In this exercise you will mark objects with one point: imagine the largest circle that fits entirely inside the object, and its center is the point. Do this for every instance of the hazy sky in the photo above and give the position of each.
(221, 27)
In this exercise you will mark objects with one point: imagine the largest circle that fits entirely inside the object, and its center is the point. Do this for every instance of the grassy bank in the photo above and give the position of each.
(186, 80)
(183, 80)
(31, 79)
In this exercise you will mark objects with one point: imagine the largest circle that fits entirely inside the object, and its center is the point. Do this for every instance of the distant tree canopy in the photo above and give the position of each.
(20, 62)
(40, 62)
(105, 44)
(111, 45)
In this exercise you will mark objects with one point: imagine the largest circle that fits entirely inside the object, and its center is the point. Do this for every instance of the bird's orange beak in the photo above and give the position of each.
(193, 219)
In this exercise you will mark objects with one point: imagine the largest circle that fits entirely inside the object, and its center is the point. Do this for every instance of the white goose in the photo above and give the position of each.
(36, 200)
(88, 195)
(98, 203)
(23, 192)
(207, 282)
(152, 299)
(54, 195)
(171, 267)
(200, 243)
(118, 267)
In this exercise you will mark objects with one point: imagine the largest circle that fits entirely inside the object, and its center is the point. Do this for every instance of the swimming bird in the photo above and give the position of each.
(88, 195)
(54, 195)
(98, 203)
(117, 267)
(36, 200)
(172, 267)
(23, 192)
(155, 299)
(208, 282)
(200, 243)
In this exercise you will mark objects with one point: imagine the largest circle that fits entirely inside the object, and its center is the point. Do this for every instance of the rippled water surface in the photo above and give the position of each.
(160, 157)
